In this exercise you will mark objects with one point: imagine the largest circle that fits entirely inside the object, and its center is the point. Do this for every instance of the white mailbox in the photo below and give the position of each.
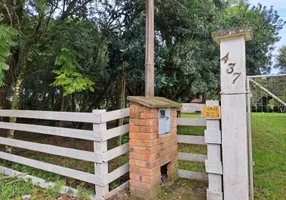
(164, 120)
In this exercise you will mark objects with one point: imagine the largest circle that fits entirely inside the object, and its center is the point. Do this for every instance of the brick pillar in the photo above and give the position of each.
(149, 151)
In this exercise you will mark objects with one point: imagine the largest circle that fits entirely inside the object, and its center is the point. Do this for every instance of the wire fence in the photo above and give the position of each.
(268, 126)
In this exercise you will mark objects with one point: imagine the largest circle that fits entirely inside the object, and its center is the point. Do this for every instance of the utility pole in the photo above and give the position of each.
(149, 52)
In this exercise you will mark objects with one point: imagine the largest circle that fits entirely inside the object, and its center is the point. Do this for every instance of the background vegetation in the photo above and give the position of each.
(75, 55)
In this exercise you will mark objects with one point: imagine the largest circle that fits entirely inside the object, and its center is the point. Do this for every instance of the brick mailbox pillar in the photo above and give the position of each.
(153, 155)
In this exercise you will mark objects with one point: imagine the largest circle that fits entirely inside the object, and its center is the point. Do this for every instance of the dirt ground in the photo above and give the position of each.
(182, 189)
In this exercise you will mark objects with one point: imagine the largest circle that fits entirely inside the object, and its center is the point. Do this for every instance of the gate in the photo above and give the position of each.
(267, 135)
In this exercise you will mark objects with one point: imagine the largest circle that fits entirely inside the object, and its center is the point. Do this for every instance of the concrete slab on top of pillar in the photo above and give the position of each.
(154, 102)
(233, 32)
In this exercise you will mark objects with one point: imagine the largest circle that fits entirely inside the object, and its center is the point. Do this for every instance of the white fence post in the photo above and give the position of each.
(233, 112)
(100, 169)
(214, 159)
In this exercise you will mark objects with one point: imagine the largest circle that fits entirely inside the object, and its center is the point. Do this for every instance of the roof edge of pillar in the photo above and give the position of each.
(233, 32)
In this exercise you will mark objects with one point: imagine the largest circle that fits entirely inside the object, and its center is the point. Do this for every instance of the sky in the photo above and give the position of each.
(280, 7)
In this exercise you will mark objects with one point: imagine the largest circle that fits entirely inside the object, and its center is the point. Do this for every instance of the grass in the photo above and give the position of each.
(15, 188)
(269, 154)
(192, 148)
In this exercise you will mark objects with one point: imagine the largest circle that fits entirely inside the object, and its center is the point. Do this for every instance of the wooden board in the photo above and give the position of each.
(187, 139)
(50, 149)
(83, 176)
(114, 153)
(191, 122)
(192, 157)
(213, 167)
(192, 175)
(113, 115)
(49, 115)
(48, 130)
(114, 132)
(213, 140)
(116, 173)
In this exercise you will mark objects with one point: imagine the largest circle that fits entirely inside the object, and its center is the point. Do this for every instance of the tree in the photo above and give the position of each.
(100, 36)
(266, 24)
(7, 36)
(281, 60)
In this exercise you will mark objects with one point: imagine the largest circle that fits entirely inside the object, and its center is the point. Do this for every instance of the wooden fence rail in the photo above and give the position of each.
(192, 140)
(101, 155)
(99, 135)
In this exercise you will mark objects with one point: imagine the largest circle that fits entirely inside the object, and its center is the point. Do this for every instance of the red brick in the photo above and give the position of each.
(151, 122)
(147, 172)
(134, 169)
(151, 179)
(131, 162)
(152, 150)
(134, 115)
(140, 163)
(153, 164)
(140, 122)
(151, 143)
(135, 156)
(134, 129)
(146, 115)
(134, 142)
(150, 157)
(138, 136)
(140, 150)
(151, 136)
(134, 176)
(174, 113)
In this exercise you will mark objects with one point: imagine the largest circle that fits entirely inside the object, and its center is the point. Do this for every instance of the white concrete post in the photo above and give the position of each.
(100, 169)
(214, 161)
(233, 112)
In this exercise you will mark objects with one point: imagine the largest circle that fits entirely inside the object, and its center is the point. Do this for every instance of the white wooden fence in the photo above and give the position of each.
(99, 136)
(213, 160)
(101, 155)
(189, 139)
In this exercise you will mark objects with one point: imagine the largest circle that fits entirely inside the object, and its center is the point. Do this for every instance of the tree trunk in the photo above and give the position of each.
(16, 101)
(61, 123)
(122, 99)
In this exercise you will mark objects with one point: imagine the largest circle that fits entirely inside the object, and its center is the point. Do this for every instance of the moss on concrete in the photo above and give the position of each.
(154, 102)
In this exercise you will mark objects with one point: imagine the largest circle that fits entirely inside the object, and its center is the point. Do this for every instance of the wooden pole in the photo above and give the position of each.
(149, 52)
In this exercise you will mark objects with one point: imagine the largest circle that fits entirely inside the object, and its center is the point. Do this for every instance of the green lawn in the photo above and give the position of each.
(269, 153)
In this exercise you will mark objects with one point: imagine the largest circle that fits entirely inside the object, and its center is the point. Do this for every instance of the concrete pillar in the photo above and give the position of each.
(233, 112)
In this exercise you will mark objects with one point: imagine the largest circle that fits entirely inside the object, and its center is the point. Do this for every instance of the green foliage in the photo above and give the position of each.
(13, 188)
(281, 59)
(7, 35)
(125, 139)
(99, 36)
(113, 185)
(265, 23)
(68, 76)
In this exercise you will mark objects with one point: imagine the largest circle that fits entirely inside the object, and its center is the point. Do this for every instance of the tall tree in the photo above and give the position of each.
(281, 60)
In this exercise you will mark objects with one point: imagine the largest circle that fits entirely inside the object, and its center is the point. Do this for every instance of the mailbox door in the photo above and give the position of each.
(168, 121)
(164, 121)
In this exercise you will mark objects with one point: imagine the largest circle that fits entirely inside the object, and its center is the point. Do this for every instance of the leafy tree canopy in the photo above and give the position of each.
(281, 59)
(79, 48)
